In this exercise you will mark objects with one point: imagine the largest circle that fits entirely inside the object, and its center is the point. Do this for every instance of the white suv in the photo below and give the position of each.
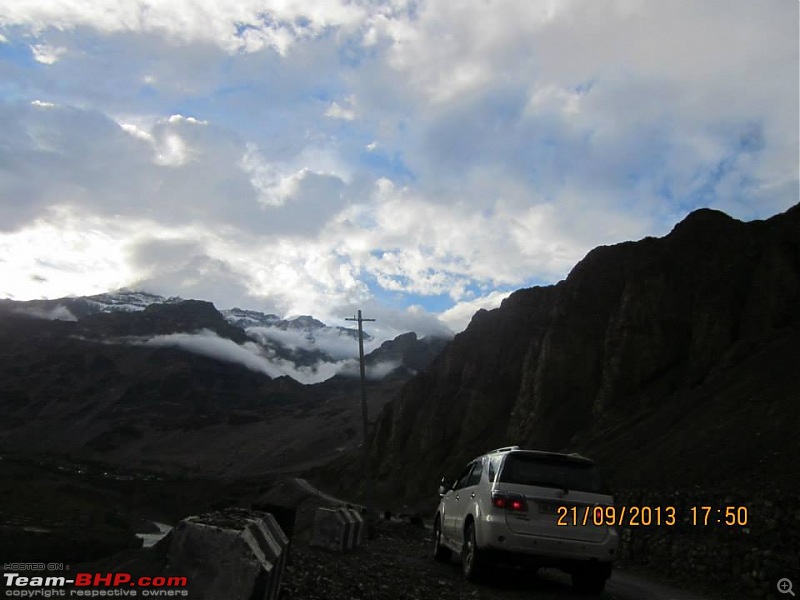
(527, 507)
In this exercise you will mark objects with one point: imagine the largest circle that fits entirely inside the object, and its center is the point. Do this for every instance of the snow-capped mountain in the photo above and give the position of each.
(310, 327)
(304, 341)
(302, 347)
(76, 307)
(139, 378)
(124, 301)
(298, 335)
(249, 318)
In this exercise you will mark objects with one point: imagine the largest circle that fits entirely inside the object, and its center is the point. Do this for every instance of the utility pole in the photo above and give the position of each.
(367, 463)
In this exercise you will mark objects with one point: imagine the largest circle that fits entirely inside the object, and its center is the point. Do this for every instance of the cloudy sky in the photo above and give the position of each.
(416, 159)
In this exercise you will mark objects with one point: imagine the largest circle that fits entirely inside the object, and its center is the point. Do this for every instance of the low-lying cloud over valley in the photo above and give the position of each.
(257, 358)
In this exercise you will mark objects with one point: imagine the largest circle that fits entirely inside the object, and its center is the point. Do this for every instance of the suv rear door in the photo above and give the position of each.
(451, 503)
(548, 482)
(463, 497)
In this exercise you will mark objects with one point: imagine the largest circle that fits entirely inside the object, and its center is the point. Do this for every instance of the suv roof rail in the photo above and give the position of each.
(503, 449)
(497, 451)
(576, 455)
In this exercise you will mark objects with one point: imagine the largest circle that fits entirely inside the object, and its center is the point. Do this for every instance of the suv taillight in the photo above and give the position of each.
(511, 502)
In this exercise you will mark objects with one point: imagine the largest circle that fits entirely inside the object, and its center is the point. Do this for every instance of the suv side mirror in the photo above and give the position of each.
(444, 485)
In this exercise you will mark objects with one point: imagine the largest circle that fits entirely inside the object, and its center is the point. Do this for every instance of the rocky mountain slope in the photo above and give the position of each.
(173, 385)
(672, 361)
(302, 340)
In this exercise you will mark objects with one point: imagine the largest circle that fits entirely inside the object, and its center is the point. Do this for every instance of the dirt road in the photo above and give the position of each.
(398, 565)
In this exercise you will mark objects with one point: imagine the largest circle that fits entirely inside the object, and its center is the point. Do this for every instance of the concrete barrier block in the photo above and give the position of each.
(331, 530)
(352, 528)
(236, 554)
(361, 527)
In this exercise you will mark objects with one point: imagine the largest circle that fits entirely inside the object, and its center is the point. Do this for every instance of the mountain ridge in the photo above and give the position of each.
(636, 332)
(301, 345)
(176, 385)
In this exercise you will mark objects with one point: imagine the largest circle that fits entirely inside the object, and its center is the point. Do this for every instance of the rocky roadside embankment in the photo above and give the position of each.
(398, 565)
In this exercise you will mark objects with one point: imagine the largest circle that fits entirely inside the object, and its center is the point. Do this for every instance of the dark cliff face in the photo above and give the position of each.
(672, 361)
(409, 352)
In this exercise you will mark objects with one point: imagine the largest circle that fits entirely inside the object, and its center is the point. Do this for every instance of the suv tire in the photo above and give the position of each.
(472, 560)
(441, 553)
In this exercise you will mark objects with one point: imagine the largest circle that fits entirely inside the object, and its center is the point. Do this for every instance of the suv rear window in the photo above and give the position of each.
(565, 474)
(475, 476)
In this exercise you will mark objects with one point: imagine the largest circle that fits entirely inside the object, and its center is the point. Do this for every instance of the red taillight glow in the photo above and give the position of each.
(509, 502)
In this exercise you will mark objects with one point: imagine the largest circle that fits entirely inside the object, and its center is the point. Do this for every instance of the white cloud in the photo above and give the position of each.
(336, 111)
(282, 182)
(242, 26)
(335, 343)
(178, 118)
(47, 55)
(432, 248)
(137, 132)
(551, 98)
(62, 258)
(59, 313)
(172, 151)
(251, 356)
(373, 372)
(390, 322)
(207, 343)
(491, 144)
(459, 316)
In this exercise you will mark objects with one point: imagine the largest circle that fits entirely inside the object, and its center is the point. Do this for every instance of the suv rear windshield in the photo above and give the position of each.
(547, 471)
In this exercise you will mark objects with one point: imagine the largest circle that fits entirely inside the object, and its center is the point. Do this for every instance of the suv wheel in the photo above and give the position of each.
(441, 553)
(472, 560)
(591, 579)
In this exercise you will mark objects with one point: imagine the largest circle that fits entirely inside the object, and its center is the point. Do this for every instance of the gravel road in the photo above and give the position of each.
(397, 565)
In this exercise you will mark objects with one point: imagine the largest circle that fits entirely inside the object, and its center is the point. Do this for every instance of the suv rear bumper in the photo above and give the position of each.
(497, 538)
